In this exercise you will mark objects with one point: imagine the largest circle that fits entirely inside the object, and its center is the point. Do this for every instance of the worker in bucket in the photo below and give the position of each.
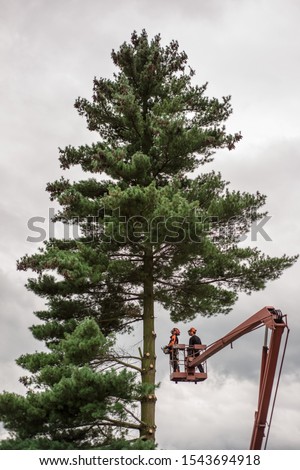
(174, 354)
(194, 339)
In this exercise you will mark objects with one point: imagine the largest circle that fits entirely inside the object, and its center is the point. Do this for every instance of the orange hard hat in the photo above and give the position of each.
(175, 331)
(192, 330)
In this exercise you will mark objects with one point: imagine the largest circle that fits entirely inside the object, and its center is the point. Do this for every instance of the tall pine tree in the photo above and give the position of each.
(153, 228)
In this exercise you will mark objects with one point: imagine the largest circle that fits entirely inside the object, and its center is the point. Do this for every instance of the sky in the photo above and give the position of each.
(49, 54)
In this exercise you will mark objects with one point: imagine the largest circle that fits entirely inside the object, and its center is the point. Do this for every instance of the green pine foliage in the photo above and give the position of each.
(69, 404)
(153, 229)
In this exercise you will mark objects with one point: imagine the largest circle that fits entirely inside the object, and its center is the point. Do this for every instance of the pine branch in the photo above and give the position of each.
(133, 415)
(116, 360)
(123, 424)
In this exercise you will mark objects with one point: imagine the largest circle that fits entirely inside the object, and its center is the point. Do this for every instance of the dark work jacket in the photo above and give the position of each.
(194, 340)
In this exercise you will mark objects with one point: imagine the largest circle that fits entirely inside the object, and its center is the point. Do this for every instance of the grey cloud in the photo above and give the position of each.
(50, 52)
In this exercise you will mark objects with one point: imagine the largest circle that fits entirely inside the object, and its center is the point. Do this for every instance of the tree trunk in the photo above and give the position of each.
(149, 358)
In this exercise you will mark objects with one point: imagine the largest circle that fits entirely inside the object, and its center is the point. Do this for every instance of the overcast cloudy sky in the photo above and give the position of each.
(250, 49)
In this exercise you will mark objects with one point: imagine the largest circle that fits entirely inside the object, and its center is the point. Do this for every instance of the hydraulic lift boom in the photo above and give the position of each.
(274, 321)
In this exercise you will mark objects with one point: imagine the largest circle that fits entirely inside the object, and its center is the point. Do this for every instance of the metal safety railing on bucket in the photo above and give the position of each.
(181, 356)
